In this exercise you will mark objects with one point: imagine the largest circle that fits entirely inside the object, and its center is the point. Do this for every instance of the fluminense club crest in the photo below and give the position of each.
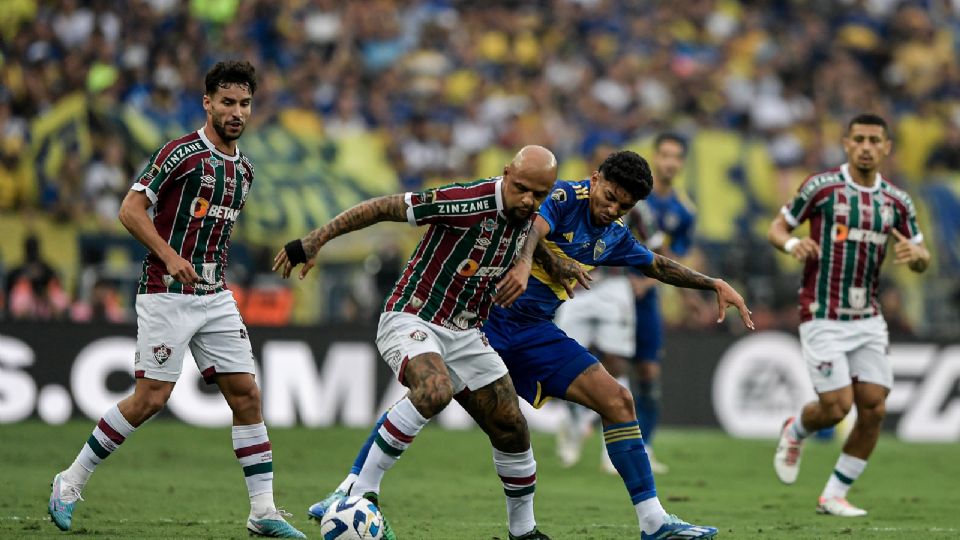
(161, 353)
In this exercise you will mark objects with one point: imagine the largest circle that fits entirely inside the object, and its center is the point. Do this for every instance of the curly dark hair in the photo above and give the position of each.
(629, 171)
(231, 72)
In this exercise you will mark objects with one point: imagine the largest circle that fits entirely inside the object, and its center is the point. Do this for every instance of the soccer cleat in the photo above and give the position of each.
(318, 509)
(786, 460)
(838, 506)
(674, 528)
(273, 525)
(63, 497)
(535, 534)
(388, 533)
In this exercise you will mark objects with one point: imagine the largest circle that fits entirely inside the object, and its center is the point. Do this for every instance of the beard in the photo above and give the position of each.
(221, 129)
(515, 216)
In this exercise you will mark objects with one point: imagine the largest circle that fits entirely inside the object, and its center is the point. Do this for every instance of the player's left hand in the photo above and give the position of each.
(728, 296)
(513, 284)
(905, 251)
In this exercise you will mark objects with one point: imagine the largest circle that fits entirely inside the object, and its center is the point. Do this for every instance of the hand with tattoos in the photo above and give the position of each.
(304, 250)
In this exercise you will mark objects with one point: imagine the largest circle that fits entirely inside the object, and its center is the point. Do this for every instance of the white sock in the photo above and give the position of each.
(797, 431)
(651, 514)
(107, 436)
(403, 423)
(252, 448)
(518, 473)
(847, 470)
(347, 482)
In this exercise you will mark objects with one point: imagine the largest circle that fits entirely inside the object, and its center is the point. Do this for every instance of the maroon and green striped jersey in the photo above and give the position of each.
(851, 224)
(451, 277)
(197, 193)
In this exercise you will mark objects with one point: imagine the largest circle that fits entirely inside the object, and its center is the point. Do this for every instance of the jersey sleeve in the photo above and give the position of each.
(627, 251)
(456, 205)
(157, 172)
(557, 204)
(906, 221)
(801, 205)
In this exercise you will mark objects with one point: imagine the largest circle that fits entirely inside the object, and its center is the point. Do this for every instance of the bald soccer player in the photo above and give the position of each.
(429, 332)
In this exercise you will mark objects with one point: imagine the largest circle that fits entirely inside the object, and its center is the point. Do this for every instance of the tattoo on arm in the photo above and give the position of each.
(389, 208)
(674, 273)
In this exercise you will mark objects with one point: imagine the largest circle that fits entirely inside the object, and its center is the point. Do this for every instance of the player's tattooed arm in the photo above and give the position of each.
(389, 208)
(304, 250)
(674, 273)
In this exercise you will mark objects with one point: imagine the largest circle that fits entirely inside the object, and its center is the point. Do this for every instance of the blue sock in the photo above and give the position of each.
(648, 408)
(625, 446)
(365, 449)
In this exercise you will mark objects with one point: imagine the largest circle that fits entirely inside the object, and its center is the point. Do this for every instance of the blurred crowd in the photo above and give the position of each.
(443, 81)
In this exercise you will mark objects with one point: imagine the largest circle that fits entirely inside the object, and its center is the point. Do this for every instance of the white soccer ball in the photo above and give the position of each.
(352, 518)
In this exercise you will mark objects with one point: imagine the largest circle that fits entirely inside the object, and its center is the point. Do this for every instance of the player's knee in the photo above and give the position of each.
(245, 400)
(871, 415)
(509, 431)
(619, 407)
(151, 402)
(838, 411)
(432, 397)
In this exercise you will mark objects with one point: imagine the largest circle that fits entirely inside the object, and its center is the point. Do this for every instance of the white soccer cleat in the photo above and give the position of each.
(786, 461)
(838, 506)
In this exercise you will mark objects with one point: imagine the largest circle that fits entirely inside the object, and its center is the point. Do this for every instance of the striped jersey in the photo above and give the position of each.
(850, 223)
(197, 193)
(573, 236)
(451, 277)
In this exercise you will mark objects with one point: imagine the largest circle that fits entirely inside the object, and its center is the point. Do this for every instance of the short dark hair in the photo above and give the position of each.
(673, 137)
(231, 72)
(869, 119)
(629, 171)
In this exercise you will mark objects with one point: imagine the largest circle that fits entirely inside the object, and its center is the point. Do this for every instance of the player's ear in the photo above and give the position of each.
(206, 103)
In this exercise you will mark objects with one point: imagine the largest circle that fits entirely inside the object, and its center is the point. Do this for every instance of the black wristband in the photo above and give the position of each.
(295, 252)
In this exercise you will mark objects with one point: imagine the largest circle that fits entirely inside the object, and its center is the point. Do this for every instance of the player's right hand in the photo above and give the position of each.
(566, 271)
(182, 271)
(806, 249)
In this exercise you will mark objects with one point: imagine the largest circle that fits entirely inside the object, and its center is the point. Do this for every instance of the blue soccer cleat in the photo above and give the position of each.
(63, 497)
(318, 509)
(674, 528)
(274, 526)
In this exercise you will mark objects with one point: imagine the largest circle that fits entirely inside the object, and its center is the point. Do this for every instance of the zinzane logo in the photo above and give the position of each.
(463, 207)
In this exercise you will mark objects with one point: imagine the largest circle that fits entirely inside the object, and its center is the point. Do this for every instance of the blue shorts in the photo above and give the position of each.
(649, 333)
(542, 360)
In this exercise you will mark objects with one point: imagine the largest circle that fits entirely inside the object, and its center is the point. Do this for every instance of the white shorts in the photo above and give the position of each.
(210, 325)
(469, 358)
(602, 318)
(839, 352)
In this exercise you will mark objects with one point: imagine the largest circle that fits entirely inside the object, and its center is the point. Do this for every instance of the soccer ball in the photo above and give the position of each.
(352, 518)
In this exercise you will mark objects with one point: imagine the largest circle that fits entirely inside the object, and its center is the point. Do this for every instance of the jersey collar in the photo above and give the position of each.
(845, 171)
(498, 191)
(206, 141)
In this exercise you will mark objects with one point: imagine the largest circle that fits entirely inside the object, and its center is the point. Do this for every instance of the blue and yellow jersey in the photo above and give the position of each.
(668, 221)
(573, 236)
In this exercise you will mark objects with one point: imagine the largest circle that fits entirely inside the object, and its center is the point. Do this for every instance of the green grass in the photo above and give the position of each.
(174, 481)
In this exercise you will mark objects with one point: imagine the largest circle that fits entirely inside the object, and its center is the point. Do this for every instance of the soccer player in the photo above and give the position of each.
(580, 224)
(197, 185)
(429, 331)
(852, 211)
(666, 218)
(664, 221)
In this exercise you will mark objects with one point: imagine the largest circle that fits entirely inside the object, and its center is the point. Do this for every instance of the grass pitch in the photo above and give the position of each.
(174, 481)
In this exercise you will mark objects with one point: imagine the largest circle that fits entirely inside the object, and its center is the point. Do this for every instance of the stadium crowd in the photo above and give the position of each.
(449, 86)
